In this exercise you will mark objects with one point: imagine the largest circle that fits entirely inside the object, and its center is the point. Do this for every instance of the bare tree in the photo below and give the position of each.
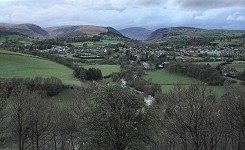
(234, 112)
(32, 119)
(114, 118)
(42, 122)
(192, 116)
(3, 113)
(21, 98)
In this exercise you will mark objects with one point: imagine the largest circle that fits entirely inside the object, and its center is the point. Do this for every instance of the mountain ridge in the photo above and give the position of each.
(35, 31)
(136, 33)
(191, 32)
(31, 30)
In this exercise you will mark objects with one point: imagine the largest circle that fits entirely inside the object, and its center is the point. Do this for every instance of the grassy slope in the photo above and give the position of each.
(238, 65)
(185, 35)
(213, 64)
(105, 69)
(101, 43)
(11, 37)
(165, 77)
(105, 41)
(22, 66)
(4, 35)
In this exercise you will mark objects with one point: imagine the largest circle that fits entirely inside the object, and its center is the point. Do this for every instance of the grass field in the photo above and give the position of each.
(105, 69)
(239, 42)
(213, 64)
(238, 65)
(21, 66)
(168, 80)
(101, 43)
(10, 37)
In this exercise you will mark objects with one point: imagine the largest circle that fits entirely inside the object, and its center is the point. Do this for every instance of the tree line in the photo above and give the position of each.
(47, 86)
(97, 119)
(84, 38)
(204, 73)
(88, 74)
(112, 117)
(195, 119)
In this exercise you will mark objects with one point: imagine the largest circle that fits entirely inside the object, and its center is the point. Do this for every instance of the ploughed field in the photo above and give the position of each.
(19, 65)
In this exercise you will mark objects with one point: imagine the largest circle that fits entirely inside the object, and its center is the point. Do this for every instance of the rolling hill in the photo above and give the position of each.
(6, 35)
(35, 31)
(136, 33)
(30, 30)
(185, 33)
(18, 65)
(74, 31)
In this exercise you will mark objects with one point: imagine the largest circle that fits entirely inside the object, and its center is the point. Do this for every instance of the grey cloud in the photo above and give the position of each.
(147, 2)
(209, 4)
(124, 13)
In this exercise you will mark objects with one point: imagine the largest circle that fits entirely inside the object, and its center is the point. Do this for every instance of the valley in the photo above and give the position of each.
(107, 49)
(66, 73)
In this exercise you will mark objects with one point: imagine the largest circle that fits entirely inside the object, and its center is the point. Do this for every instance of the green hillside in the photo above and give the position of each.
(5, 35)
(21, 66)
(180, 34)
(168, 81)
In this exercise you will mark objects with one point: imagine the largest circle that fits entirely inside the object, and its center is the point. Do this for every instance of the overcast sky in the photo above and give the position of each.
(152, 14)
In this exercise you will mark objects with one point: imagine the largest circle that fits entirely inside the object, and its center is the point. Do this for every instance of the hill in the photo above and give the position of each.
(136, 33)
(75, 31)
(20, 65)
(6, 35)
(185, 33)
(30, 30)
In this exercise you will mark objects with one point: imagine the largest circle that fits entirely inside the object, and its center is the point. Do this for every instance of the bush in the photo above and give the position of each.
(93, 74)
(80, 73)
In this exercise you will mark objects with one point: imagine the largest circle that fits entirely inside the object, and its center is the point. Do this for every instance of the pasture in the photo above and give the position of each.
(238, 65)
(10, 37)
(238, 42)
(102, 43)
(105, 69)
(211, 63)
(168, 80)
(22, 66)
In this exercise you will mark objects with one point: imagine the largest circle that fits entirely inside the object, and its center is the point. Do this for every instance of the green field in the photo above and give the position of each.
(213, 64)
(238, 42)
(6, 36)
(21, 66)
(168, 80)
(105, 69)
(184, 34)
(101, 43)
(10, 37)
(238, 65)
